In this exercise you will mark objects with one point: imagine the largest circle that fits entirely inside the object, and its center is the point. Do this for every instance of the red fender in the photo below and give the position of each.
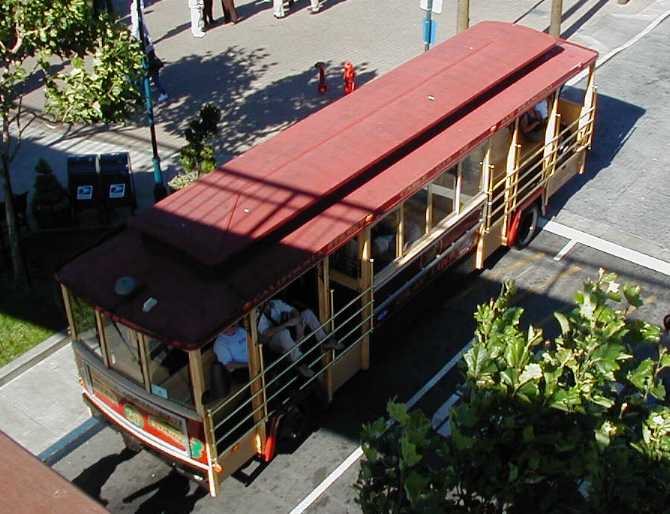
(270, 449)
(513, 231)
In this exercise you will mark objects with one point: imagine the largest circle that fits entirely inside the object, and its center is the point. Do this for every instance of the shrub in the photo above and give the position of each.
(575, 424)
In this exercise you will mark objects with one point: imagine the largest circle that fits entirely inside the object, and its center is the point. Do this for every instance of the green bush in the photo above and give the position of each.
(197, 157)
(575, 424)
(51, 203)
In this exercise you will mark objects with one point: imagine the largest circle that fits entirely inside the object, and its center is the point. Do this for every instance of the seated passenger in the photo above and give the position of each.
(231, 347)
(532, 123)
(273, 327)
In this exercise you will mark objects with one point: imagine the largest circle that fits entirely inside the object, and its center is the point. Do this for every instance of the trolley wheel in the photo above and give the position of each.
(130, 443)
(527, 226)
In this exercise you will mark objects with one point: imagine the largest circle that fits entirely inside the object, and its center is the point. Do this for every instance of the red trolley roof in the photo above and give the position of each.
(261, 190)
(205, 282)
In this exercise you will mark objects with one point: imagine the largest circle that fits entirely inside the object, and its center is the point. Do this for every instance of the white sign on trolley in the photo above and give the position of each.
(436, 8)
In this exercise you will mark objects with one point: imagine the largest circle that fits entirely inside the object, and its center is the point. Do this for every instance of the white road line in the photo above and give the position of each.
(358, 452)
(442, 415)
(563, 251)
(602, 245)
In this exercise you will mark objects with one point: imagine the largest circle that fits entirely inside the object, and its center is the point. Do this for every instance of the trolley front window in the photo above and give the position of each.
(124, 355)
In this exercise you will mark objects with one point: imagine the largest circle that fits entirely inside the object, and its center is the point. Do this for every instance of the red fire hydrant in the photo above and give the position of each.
(323, 87)
(349, 75)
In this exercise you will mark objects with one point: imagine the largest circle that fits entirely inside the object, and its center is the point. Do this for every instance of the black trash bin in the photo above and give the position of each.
(83, 183)
(116, 181)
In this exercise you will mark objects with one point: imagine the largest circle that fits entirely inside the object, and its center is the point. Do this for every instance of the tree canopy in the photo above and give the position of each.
(90, 67)
(575, 424)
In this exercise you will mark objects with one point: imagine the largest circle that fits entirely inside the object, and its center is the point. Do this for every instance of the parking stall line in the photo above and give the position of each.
(563, 251)
(608, 247)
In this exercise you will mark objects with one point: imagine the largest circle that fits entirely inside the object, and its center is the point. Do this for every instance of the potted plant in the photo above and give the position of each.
(197, 157)
(51, 206)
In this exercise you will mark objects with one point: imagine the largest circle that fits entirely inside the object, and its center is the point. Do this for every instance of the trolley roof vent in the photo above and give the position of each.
(125, 286)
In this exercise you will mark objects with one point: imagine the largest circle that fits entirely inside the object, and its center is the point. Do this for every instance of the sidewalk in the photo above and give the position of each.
(261, 72)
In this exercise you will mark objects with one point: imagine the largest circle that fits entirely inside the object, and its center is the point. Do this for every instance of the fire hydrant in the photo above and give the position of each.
(323, 87)
(349, 75)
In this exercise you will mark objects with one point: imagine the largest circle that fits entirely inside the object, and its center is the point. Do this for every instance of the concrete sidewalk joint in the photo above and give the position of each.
(71, 441)
(33, 356)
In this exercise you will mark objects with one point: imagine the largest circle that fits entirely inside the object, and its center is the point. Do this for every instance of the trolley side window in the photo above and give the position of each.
(83, 316)
(471, 173)
(444, 195)
(385, 241)
(169, 375)
(414, 219)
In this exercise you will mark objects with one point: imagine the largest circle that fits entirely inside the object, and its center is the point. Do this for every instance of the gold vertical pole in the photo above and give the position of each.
(556, 15)
(463, 15)
(257, 373)
(365, 283)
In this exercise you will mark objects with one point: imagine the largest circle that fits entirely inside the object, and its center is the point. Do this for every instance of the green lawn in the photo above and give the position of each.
(27, 316)
(30, 315)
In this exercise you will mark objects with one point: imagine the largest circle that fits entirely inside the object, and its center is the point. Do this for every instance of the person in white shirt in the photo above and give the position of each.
(532, 123)
(274, 322)
(231, 347)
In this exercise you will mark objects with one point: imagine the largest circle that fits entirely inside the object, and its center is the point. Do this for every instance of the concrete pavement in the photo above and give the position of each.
(261, 73)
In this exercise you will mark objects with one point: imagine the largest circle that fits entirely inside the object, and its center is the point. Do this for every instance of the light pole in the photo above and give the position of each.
(556, 15)
(159, 188)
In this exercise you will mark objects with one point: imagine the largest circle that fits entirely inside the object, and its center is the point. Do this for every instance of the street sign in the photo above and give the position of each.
(436, 8)
(429, 29)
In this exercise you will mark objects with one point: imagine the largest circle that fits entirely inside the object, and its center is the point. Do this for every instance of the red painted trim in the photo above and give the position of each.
(513, 231)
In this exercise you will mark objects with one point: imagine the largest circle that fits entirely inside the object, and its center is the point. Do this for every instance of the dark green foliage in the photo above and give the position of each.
(51, 204)
(577, 424)
(197, 157)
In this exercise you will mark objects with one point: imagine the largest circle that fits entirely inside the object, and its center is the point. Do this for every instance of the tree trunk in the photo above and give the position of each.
(10, 215)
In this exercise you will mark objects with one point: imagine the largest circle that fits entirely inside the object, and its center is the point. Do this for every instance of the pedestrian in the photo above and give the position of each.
(196, 7)
(281, 7)
(207, 12)
(153, 62)
(229, 12)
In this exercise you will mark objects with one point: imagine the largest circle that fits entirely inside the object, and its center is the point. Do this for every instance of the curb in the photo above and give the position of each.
(33, 356)
(71, 441)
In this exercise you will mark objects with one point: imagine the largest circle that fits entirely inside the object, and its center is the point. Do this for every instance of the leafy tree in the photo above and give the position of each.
(577, 424)
(102, 65)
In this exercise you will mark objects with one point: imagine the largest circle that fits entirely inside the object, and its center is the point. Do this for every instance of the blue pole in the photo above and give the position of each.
(159, 188)
(428, 23)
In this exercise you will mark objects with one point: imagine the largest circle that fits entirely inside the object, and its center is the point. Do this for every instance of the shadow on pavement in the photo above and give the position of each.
(250, 113)
(171, 495)
(93, 478)
(615, 122)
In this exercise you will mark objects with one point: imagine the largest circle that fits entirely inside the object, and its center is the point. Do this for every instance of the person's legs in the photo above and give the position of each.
(207, 12)
(196, 18)
(284, 343)
(229, 11)
(278, 8)
(315, 5)
(162, 94)
(310, 321)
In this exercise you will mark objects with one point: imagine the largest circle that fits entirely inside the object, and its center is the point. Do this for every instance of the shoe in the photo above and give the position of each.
(333, 344)
(199, 34)
(305, 371)
(162, 97)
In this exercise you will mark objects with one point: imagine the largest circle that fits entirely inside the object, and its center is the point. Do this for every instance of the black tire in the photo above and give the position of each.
(527, 226)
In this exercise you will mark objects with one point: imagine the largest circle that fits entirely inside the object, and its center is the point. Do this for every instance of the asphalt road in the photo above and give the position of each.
(623, 198)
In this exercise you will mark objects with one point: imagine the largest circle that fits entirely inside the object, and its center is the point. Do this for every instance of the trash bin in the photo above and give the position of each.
(82, 180)
(116, 180)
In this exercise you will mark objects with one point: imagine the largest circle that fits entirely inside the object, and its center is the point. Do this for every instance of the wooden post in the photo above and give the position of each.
(485, 185)
(213, 456)
(586, 118)
(198, 380)
(366, 282)
(400, 231)
(141, 343)
(510, 183)
(323, 274)
(463, 15)
(551, 140)
(256, 372)
(556, 15)
(68, 311)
